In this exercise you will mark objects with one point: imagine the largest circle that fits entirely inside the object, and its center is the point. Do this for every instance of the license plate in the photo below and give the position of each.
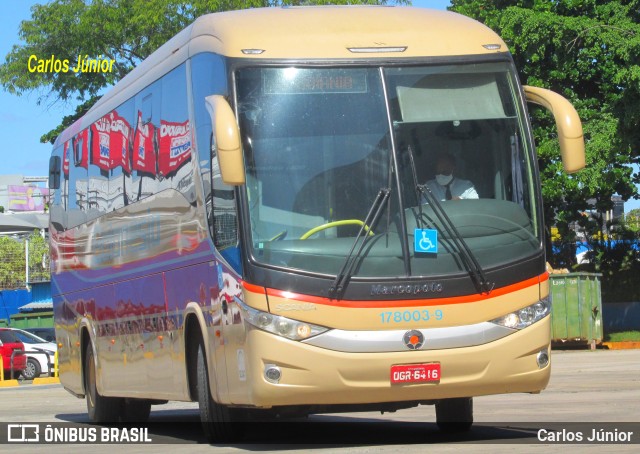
(415, 373)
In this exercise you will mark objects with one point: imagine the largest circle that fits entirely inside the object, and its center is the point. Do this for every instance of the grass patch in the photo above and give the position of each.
(623, 336)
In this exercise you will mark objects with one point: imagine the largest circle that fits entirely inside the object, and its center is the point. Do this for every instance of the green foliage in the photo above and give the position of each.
(68, 120)
(632, 221)
(12, 266)
(125, 31)
(624, 336)
(589, 51)
(38, 258)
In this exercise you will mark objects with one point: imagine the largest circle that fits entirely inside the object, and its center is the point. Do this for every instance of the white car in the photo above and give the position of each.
(40, 354)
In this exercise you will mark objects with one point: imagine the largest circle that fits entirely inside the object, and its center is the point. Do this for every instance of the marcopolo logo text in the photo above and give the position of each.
(407, 289)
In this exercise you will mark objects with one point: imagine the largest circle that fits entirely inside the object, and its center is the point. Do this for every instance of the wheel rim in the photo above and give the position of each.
(30, 371)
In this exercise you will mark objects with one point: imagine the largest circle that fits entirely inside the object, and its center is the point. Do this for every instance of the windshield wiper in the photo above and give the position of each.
(473, 266)
(417, 187)
(342, 278)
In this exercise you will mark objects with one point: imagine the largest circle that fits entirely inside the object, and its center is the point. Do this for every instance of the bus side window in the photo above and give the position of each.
(54, 172)
(120, 144)
(175, 156)
(74, 186)
(225, 223)
(145, 177)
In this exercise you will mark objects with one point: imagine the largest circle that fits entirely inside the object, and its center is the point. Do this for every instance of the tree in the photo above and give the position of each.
(589, 51)
(632, 221)
(38, 258)
(12, 266)
(125, 31)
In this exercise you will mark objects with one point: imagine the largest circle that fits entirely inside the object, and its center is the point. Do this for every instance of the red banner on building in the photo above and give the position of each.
(65, 158)
(175, 146)
(111, 135)
(121, 134)
(144, 149)
(81, 149)
(101, 142)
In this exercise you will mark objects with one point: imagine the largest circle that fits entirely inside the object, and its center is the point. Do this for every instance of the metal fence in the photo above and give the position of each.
(23, 260)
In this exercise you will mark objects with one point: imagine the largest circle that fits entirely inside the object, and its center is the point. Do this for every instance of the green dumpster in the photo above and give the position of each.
(32, 320)
(576, 302)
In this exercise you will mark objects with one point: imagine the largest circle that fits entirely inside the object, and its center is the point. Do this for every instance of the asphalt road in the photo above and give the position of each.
(588, 390)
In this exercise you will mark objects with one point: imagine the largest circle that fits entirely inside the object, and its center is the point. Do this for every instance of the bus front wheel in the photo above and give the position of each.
(100, 409)
(455, 415)
(217, 422)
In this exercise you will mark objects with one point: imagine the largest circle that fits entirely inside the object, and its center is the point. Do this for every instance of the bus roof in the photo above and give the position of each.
(307, 33)
(328, 32)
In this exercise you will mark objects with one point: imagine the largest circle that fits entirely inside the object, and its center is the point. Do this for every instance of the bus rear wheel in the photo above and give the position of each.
(217, 419)
(100, 409)
(455, 415)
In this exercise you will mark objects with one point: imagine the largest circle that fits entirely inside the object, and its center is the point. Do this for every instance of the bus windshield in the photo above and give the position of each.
(321, 143)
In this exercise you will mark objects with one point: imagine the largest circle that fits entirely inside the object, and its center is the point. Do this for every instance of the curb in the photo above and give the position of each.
(46, 380)
(621, 345)
(36, 381)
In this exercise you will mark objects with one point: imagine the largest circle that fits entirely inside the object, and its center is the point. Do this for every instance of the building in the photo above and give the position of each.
(24, 203)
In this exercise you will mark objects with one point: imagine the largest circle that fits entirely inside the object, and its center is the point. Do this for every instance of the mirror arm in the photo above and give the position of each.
(227, 140)
(568, 124)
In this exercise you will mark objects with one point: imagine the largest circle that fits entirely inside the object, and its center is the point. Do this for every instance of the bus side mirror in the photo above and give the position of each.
(568, 124)
(227, 140)
(54, 172)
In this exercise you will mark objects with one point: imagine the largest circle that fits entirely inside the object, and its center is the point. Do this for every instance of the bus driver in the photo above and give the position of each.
(446, 186)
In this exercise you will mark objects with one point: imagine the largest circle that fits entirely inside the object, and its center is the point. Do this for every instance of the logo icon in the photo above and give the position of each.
(413, 340)
(425, 241)
(24, 433)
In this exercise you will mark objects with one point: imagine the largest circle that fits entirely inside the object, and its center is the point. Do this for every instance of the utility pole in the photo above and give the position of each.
(26, 267)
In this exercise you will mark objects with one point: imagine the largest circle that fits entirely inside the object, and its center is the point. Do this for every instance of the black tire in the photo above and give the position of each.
(217, 422)
(135, 410)
(100, 409)
(455, 415)
(32, 370)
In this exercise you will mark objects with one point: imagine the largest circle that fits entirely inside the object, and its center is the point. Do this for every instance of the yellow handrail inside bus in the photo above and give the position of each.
(328, 225)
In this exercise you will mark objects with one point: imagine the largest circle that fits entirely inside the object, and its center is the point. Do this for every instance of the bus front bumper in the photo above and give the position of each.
(317, 376)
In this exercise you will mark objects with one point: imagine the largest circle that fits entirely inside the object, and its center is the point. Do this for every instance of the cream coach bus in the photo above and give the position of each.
(248, 220)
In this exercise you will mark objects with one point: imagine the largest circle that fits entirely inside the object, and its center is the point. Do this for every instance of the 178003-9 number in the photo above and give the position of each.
(423, 315)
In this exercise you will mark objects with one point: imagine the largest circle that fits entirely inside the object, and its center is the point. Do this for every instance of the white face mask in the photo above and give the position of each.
(444, 180)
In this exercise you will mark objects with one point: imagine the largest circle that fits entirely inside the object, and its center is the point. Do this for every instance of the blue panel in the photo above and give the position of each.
(11, 300)
(425, 241)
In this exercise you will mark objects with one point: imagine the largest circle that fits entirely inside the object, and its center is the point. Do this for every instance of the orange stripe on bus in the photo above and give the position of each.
(398, 303)
(253, 288)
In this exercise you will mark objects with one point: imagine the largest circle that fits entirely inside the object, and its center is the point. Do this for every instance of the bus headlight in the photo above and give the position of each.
(276, 324)
(526, 316)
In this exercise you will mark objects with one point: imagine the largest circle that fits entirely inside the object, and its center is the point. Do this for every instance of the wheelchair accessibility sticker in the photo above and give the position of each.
(425, 241)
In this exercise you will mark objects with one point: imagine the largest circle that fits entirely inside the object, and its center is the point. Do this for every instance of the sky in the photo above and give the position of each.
(23, 121)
